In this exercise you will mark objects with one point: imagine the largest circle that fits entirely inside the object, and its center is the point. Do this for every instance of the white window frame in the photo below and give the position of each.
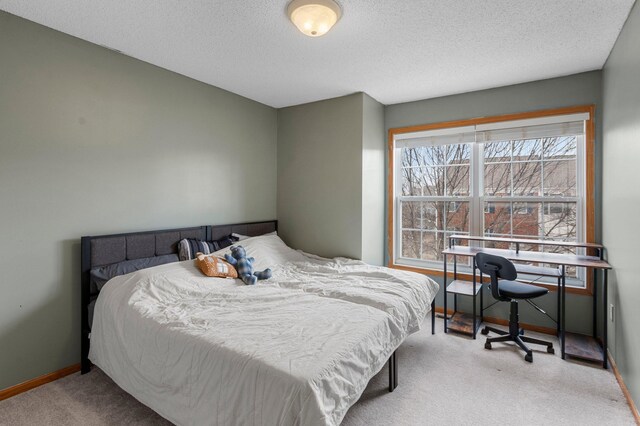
(477, 200)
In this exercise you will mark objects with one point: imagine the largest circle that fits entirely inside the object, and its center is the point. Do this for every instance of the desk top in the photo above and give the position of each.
(532, 256)
(527, 241)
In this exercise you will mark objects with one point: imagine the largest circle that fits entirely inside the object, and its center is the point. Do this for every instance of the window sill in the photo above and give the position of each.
(466, 276)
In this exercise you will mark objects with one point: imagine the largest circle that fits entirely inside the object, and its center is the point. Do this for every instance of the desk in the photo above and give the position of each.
(578, 345)
(518, 241)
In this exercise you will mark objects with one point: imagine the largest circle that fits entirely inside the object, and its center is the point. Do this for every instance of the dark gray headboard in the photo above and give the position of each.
(107, 249)
(252, 229)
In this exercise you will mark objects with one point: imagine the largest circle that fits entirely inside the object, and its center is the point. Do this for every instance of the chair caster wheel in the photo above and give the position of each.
(528, 357)
(485, 331)
(521, 331)
(550, 350)
(487, 345)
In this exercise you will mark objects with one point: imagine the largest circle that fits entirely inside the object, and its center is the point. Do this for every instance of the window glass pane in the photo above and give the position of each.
(527, 178)
(559, 221)
(457, 180)
(457, 219)
(411, 244)
(418, 180)
(433, 181)
(433, 216)
(432, 245)
(498, 244)
(460, 260)
(424, 156)
(497, 151)
(412, 214)
(527, 150)
(497, 219)
(526, 220)
(423, 215)
(531, 247)
(560, 178)
(437, 154)
(420, 156)
(411, 181)
(458, 154)
(497, 179)
(560, 148)
(431, 219)
(571, 271)
(422, 173)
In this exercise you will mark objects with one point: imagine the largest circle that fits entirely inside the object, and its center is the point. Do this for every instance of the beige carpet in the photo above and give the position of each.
(442, 379)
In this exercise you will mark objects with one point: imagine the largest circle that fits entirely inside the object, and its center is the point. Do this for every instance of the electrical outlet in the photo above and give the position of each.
(612, 312)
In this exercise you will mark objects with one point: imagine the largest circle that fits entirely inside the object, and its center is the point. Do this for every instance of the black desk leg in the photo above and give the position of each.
(558, 309)
(455, 277)
(455, 268)
(563, 311)
(444, 280)
(473, 265)
(604, 319)
(481, 298)
(594, 302)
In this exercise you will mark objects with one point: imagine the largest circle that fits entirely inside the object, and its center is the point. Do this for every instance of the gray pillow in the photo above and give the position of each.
(189, 247)
(100, 276)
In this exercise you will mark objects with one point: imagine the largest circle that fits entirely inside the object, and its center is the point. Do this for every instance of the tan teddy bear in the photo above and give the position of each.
(213, 266)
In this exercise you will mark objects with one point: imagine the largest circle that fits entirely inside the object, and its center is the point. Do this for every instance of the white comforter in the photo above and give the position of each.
(298, 349)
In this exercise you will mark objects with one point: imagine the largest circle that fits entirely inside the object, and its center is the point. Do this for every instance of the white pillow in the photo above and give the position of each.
(241, 237)
(269, 250)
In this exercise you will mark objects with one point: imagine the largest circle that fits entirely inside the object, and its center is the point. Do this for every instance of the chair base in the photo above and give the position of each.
(515, 334)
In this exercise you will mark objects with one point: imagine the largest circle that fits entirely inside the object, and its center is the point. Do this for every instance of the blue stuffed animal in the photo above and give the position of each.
(243, 265)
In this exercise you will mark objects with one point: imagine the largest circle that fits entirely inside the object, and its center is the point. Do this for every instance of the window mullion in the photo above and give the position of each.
(511, 192)
(475, 227)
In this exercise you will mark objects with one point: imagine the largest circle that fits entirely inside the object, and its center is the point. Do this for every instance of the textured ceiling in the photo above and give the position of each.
(394, 50)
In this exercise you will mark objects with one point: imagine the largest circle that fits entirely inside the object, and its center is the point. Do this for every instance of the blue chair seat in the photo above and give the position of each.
(518, 290)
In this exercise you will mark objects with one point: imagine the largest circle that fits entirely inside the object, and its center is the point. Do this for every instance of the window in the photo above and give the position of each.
(435, 197)
(516, 177)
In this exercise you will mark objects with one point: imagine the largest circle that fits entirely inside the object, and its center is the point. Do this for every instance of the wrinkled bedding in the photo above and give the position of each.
(298, 349)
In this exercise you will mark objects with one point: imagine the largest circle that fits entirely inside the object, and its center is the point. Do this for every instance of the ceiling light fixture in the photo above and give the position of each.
(314, 17)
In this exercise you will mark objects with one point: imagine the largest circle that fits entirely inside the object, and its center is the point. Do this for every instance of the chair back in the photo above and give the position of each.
(497, 268)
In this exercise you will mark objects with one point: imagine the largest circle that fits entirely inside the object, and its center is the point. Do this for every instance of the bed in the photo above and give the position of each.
(298, 349)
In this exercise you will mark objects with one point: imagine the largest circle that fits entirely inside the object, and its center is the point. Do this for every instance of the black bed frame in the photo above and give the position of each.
(106, 249)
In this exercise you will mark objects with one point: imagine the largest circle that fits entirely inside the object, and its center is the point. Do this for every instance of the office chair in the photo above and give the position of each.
(505, 289)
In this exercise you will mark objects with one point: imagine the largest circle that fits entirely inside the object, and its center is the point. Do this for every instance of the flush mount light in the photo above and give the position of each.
(314, 17)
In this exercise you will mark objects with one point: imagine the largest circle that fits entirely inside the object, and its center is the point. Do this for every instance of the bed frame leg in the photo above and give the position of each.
(433, 316)
(393, 372)
(85, 364)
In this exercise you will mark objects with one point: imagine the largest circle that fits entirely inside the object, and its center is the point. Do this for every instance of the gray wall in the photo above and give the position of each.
(621, 197)
(319, 176)
(579, 89)
(373, 179)
(94, 142)
(330, 177)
